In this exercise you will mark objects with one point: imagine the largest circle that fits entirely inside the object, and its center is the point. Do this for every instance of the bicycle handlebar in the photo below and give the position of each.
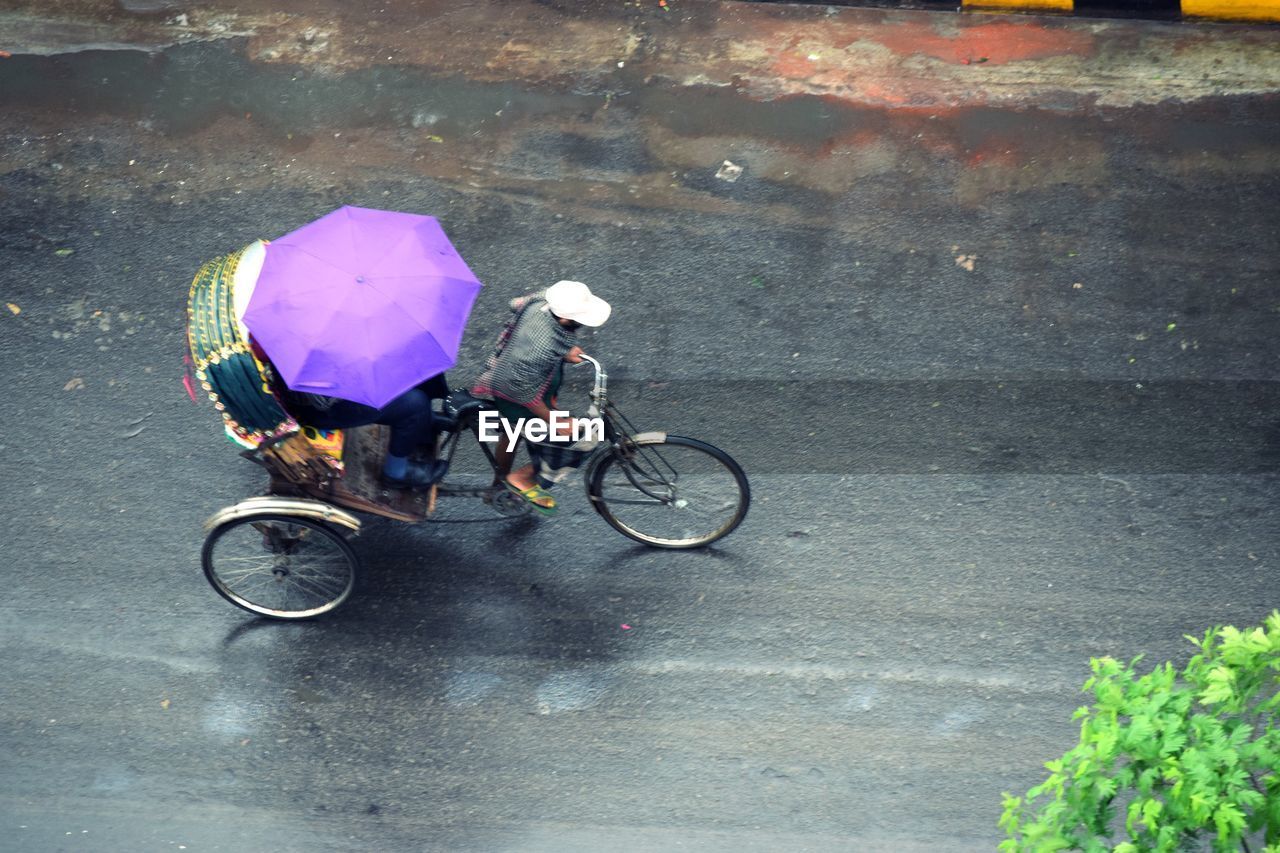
(598, 392)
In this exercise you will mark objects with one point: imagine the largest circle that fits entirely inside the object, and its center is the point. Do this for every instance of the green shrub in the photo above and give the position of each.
(1169, 761)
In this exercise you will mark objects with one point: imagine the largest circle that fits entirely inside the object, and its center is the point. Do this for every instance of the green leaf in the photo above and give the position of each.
(1229, 820)
(1110, 696)
(1132, 815)
(1273, 622)
(1104, 666)
(1106, 746)
(1151, 810)
(1220, 685)
(1251, 799)
(1105, 787)
(1172, 741)
(1011, 817)
(1141, 733)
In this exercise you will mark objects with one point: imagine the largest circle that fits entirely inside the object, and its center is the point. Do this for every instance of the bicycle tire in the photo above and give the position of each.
(269, 578)
(656, 498)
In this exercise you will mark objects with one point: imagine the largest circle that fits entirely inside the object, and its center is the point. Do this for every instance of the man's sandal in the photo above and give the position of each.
(533, 495)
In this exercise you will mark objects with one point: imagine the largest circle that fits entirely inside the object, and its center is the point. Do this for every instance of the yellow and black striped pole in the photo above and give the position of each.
(1233, 10)
(1218, 10)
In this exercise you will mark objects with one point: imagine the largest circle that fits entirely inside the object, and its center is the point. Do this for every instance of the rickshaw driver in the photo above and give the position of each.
(524, 374)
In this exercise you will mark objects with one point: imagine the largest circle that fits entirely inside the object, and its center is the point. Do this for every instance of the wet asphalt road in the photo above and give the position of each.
(967, 482)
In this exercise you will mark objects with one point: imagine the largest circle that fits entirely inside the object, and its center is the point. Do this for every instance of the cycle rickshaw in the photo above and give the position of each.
(285, 554)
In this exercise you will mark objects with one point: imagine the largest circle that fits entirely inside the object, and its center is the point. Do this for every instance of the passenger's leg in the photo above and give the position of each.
(437, 387)
(410, 418)
(343, 414)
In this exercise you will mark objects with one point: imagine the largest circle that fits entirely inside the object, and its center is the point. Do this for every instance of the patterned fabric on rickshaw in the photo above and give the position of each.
(236, 380)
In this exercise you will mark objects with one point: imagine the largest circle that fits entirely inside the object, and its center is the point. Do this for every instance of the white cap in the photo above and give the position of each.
(573, 300)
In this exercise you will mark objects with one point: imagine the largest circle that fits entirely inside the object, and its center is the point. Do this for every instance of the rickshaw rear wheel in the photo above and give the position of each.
(280, 566)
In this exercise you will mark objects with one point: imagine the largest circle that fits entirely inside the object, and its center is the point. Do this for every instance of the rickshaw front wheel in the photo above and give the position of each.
(280, 566)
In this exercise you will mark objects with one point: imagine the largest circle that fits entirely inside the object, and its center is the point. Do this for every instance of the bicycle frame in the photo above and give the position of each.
(619, 432)
(621, 439)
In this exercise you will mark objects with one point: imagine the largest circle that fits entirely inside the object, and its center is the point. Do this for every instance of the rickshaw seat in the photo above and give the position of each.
(457, 406)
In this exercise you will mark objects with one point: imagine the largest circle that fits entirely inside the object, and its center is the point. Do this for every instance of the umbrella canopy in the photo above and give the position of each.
(361, 304)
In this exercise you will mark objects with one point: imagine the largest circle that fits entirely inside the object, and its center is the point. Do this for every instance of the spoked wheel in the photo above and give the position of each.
(670, 492)
(281, 566)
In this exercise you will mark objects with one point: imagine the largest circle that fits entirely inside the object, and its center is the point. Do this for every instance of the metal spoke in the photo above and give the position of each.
(280, 567)
(681, 495)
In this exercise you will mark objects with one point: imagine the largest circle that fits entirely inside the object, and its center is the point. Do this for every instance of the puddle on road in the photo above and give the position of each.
(572, 691)
(233, 716)
(802, 120)
(188, 87)
(647, 140)
(471, 688)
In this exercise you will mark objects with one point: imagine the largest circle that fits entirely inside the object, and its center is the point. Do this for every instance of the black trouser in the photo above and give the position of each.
(408, 415)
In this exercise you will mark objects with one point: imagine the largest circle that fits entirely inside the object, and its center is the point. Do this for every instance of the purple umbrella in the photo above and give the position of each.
(361, 304)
